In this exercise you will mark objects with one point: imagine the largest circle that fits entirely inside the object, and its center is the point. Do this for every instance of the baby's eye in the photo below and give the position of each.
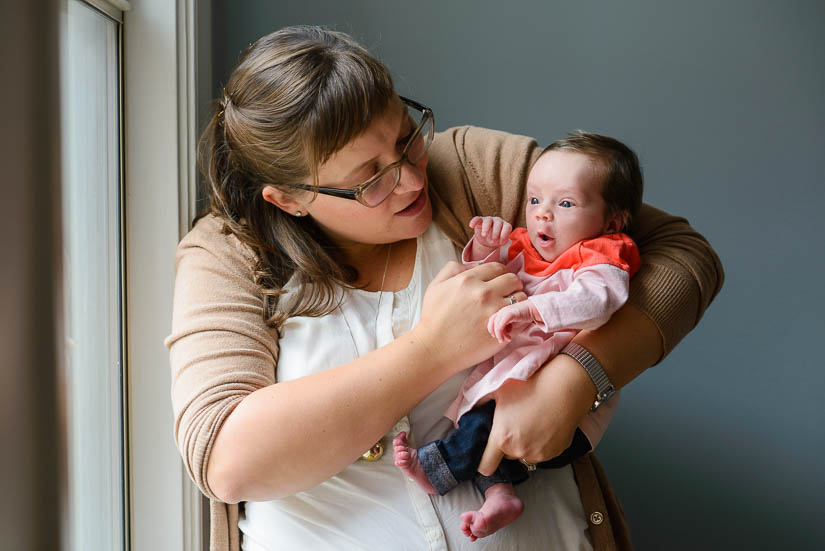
(534, 201)
(566, 204)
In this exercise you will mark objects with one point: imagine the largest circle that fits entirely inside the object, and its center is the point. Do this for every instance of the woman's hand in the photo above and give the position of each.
(535, 419)
(456, 307)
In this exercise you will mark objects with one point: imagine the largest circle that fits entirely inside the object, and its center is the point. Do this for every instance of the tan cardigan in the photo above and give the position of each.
(221, 350)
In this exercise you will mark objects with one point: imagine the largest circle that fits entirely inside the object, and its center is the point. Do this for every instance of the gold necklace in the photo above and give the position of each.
(381, 290)
(377, 451)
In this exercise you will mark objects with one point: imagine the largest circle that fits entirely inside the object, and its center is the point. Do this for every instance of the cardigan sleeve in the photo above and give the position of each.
(474, 171)
(220, 349)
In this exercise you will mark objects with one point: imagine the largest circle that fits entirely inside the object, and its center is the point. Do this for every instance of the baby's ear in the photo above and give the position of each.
(616, 222)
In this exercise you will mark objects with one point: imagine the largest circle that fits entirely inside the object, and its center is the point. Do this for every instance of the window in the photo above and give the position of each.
(128, 195)
(92, 250)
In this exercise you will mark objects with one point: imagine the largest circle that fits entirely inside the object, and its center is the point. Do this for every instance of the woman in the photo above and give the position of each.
(327, 265)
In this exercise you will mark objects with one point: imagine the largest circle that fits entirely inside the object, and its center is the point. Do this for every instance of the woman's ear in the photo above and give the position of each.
(286, 203)
(616, 222)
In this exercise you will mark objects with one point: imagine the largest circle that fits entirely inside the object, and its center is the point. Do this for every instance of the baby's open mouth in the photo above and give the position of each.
(544, 238)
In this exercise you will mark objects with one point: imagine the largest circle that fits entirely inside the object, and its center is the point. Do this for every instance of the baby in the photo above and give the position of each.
(575, 265)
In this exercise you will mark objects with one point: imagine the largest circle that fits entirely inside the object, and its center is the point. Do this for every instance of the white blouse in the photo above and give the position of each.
(372, 505)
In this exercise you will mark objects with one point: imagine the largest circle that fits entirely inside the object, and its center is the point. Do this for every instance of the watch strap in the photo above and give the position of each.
(604, 388)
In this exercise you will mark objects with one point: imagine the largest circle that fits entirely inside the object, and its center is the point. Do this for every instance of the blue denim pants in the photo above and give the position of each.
(455, 459)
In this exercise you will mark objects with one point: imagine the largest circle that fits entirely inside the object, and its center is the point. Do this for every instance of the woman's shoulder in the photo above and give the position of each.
(477, 171)
(209, 238)
(474, 145)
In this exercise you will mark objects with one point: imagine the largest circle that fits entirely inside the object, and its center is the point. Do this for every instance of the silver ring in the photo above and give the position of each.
(512, 299)
(530, 466)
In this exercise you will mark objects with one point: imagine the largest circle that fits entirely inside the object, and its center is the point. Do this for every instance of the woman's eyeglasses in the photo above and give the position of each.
(374, 191)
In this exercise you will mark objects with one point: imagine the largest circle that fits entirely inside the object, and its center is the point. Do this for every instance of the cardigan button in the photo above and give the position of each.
(597, 518)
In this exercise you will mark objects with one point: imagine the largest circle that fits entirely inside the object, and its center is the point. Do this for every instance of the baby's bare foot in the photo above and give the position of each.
(406, 458)
(501, 507)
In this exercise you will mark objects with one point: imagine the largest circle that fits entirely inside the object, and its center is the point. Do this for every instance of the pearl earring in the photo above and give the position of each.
(298, 213)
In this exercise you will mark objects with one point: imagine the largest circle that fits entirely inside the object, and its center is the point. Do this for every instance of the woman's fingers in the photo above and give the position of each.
(515, 298)
(456, 308)
(501, 282)
(449, 270)
(489, 460)
(535, 419)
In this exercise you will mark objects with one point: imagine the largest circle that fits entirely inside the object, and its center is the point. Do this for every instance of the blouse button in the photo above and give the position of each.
(374, 453)
(597, 518)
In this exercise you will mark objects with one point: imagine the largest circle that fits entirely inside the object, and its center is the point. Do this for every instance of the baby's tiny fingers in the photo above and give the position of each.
(492, 328)
(506, 230)
(485, 228)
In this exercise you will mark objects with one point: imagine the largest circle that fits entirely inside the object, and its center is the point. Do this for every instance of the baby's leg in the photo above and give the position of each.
(406, 458)
(501, 507)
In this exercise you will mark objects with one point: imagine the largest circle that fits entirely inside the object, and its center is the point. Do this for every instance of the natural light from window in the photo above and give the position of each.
(92, 266)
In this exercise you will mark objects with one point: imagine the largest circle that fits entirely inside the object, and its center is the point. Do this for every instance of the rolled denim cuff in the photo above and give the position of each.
(483, 483)
(436, 469)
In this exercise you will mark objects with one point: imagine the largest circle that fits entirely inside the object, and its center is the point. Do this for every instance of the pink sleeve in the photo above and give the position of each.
(497, 255)
(588, 302)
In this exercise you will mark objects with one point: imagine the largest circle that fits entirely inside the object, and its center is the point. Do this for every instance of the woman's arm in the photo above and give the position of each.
(536, 419)
(289, 436)
(243, 437)
(474, 172)
(679, 277)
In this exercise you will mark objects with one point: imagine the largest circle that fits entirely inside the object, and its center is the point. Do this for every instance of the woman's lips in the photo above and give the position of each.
(415, 207)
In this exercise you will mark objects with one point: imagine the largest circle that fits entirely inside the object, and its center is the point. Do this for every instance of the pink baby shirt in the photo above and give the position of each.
(579, 290)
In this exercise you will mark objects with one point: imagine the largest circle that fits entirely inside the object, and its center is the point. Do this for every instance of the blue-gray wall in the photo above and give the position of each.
(721, 445)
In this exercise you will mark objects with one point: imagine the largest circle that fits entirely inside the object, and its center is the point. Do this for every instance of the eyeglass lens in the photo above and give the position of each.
(416, 149)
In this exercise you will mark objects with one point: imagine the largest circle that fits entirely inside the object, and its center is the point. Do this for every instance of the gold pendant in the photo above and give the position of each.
(374, 453)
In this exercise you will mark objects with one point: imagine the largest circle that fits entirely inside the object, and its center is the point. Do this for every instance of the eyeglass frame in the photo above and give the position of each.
(357, 193)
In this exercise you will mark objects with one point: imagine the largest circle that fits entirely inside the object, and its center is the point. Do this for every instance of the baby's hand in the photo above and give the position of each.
(491, 231)
(502, 323)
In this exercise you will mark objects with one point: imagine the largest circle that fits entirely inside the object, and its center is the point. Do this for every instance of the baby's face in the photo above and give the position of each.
(564, 202)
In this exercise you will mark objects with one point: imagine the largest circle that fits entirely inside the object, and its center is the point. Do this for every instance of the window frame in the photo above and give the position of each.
(160, 48)
(113, 10)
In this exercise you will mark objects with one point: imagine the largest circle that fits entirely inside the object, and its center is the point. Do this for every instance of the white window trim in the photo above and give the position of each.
(114, 428)
(195, 530)
(112, 8)
(160, 176)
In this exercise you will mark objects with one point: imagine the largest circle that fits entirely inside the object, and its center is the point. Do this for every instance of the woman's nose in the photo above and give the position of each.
(412, 178)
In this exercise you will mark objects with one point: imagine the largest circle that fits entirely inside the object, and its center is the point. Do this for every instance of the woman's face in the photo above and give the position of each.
(404, 214)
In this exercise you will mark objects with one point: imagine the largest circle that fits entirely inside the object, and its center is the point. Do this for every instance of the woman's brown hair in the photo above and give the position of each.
(296, 97)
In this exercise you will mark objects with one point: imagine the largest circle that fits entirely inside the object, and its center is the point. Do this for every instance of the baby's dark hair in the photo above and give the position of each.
(622, 186)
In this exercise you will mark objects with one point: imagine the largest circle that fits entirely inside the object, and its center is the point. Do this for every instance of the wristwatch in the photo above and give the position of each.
(604, 388)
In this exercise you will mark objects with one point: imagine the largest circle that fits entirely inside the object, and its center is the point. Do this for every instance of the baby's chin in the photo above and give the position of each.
(547, 250)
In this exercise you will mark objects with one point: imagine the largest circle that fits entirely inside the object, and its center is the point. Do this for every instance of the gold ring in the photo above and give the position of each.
(512, 299)
(530, 466)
